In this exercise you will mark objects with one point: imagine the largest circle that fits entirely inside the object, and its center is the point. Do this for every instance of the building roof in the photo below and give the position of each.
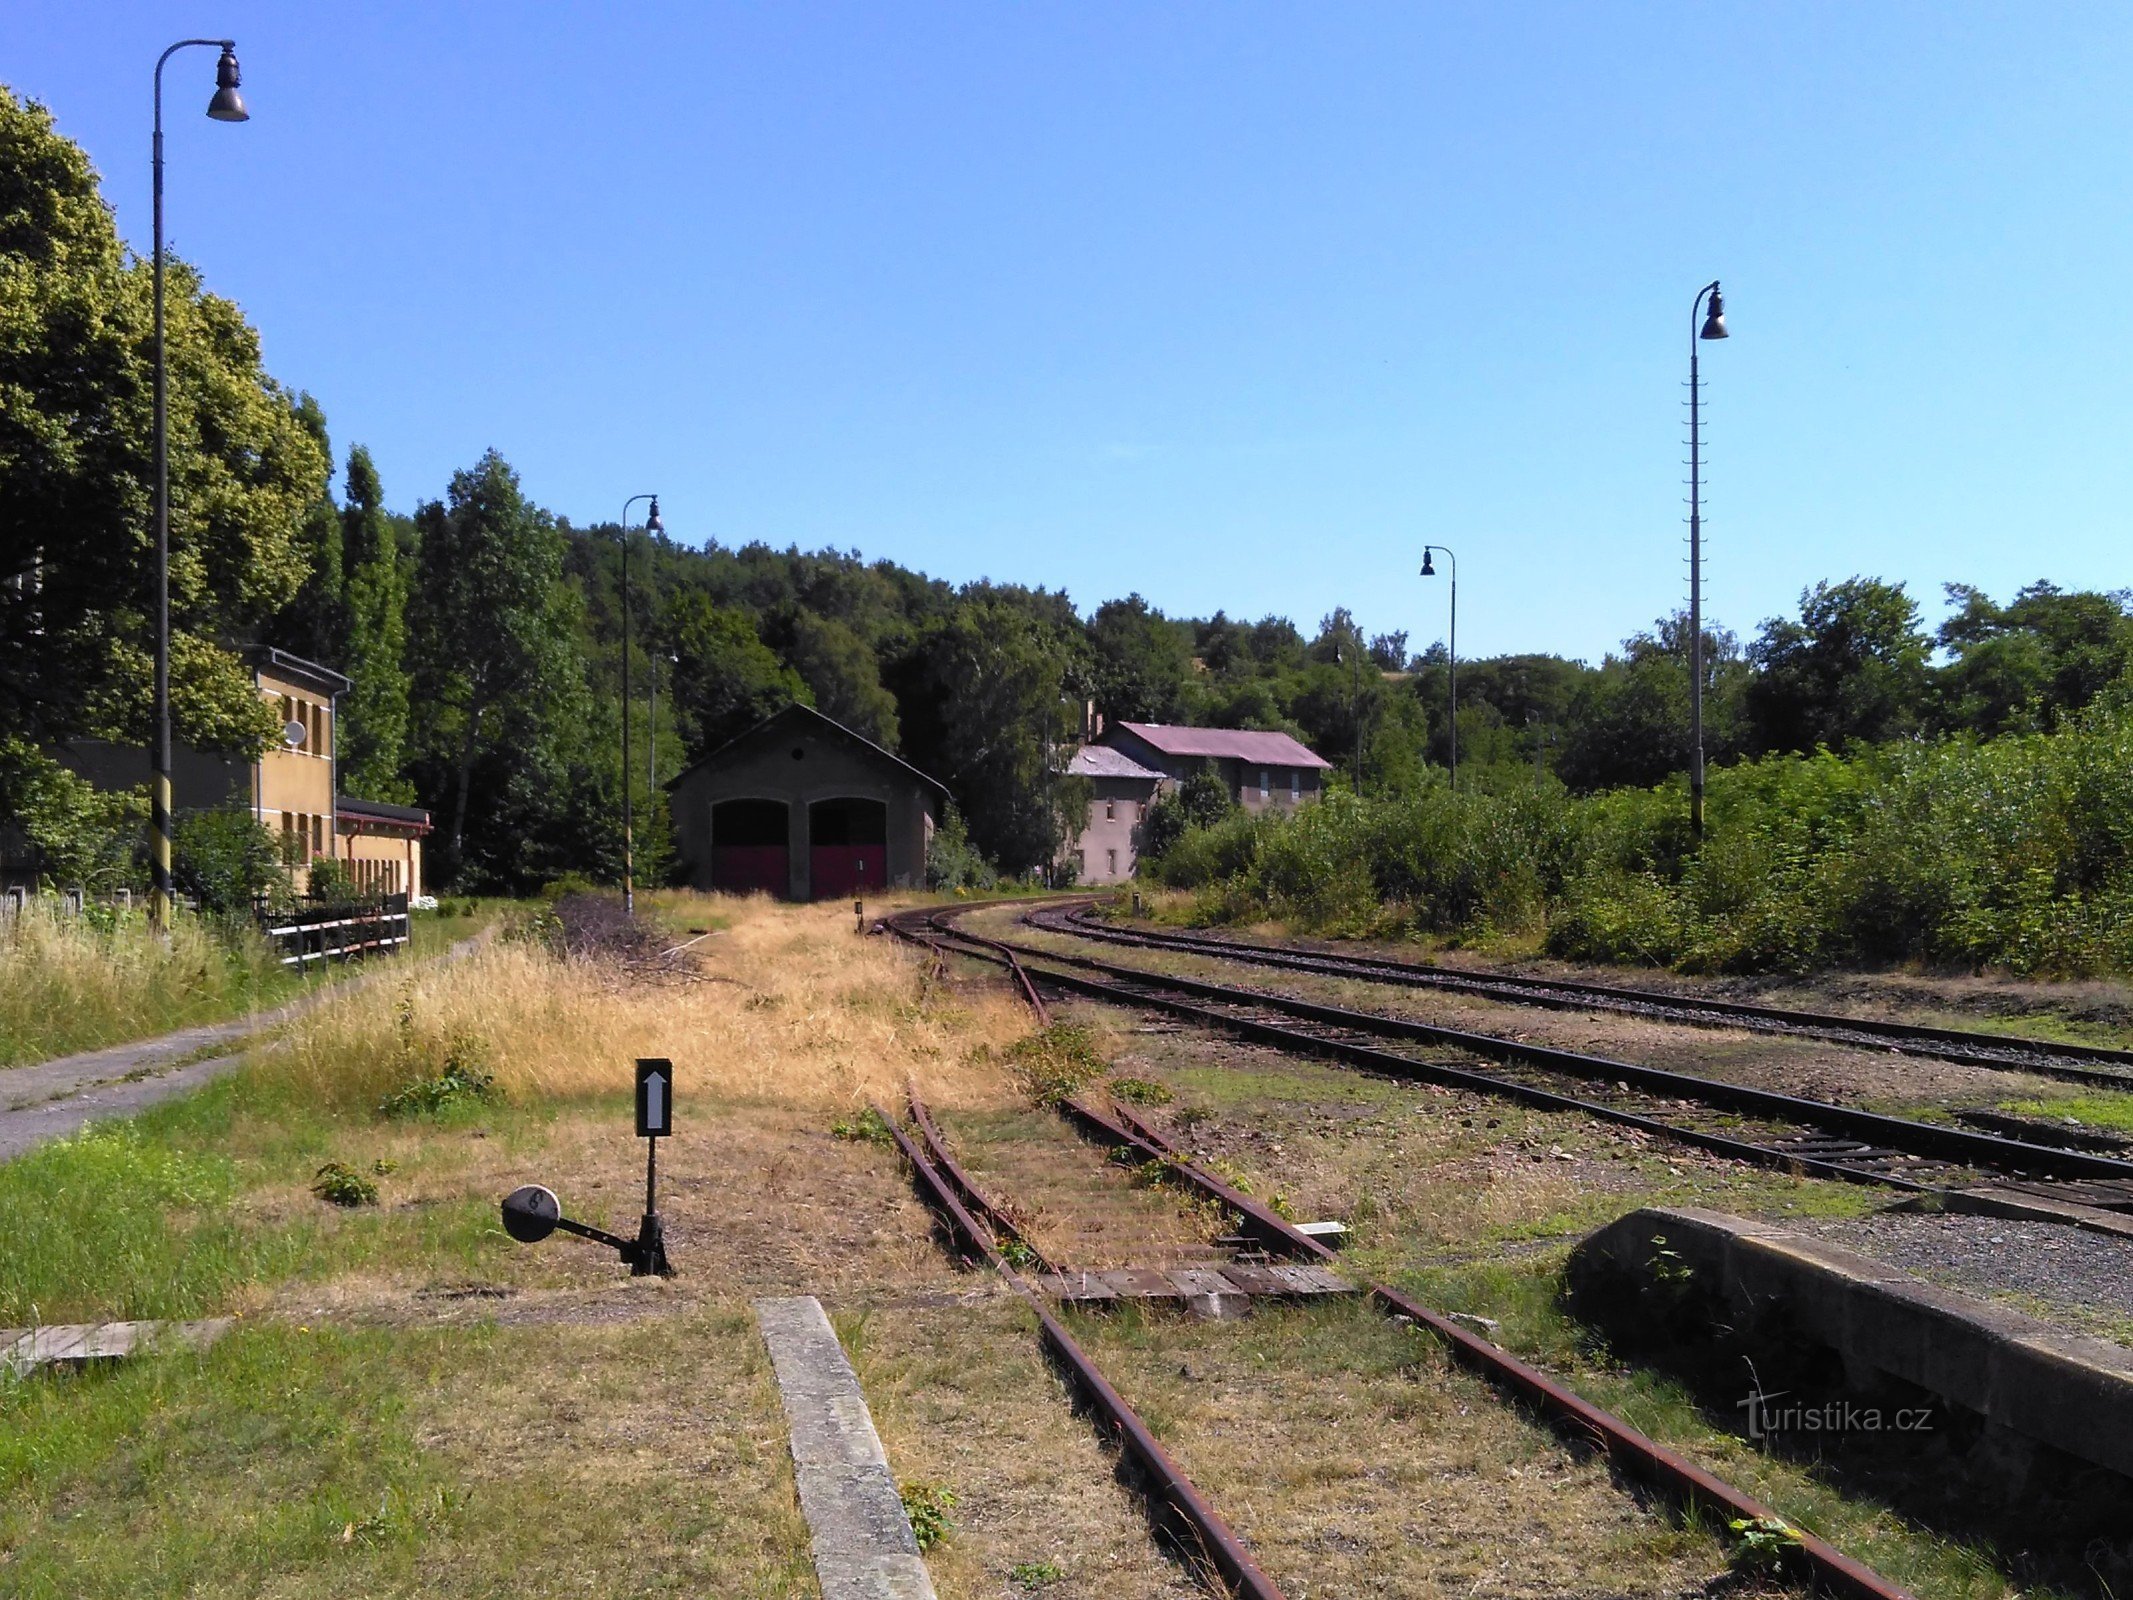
(378, 811)
(1228, 744)
(1101, 761)
(265, 658)
(798, 710)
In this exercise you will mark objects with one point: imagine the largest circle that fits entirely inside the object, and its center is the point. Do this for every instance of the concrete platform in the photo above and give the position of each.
(863, 1545)
(2062, 1390)
(24, 1350)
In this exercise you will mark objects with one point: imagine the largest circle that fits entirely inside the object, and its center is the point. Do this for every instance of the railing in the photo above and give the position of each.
(338, 932)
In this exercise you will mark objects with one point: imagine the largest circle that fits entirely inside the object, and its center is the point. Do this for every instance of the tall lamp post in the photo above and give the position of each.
(1429, 571)
(226, 106)
(652, 524)
(1714, 327)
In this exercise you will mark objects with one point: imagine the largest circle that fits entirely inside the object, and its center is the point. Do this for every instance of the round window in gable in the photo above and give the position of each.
(798, 754)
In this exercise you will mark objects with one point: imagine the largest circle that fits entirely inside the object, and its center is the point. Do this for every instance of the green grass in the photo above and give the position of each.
(319, 1463)
(148, 1218)
(2106, 1110)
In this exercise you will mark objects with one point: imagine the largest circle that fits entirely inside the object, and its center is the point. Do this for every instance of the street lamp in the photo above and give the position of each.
(652, 524)
(226, 106)
(1714, 327)
(1429, 571)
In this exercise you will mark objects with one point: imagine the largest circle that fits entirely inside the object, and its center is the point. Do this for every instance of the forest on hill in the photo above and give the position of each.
(483, 633)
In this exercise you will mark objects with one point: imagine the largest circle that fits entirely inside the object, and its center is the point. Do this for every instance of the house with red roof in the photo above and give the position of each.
(1131, 763)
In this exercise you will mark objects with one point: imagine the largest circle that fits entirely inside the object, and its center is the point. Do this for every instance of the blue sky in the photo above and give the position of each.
(1232, 305)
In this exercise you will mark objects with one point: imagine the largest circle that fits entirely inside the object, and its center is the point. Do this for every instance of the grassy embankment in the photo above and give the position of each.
(82, 983)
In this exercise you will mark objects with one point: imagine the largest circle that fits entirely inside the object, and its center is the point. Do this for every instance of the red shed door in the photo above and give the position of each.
(848, 847)
(749, 850)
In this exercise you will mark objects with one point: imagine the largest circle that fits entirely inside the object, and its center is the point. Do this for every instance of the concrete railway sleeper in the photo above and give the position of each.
(1749, 1124)
(2095, 1065)
(1214, 1541)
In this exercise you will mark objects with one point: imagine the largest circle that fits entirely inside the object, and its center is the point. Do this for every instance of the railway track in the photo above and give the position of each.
(1758, 1126)
(2093, 1065)
(984, 1222)
(982, 1226)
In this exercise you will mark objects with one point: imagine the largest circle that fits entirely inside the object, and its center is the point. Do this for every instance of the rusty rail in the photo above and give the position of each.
(899, 925)
(1627, 1450)
(1167, 1483)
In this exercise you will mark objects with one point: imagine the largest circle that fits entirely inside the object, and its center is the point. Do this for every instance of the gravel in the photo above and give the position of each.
(2076, 1280)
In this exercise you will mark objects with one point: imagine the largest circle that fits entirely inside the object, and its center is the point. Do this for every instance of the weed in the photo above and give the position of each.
(863, 1126)
(1056, 1063)
(340, 1184)
(462, 1082)
(1764, 1544)
(927, 1505)
(1140, 1092)
(1018, 1254)
(1034, 1575)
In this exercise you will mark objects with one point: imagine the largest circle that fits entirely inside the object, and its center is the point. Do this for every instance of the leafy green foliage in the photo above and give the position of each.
(77, 834)
(1056, 1063)
(375, 712)
(76, 471)
(864, 1125)
(1034, 1575)
(927, 1505)
(339, 1184)
(226, 860)
(2014, 853)
(953, 862)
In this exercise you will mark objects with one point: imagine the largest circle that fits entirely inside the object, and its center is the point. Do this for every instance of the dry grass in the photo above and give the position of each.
(68, 984)
(786, 1004)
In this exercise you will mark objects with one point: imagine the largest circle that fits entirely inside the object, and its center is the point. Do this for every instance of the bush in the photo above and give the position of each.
(226, 860)
(77, 834)
(953, 862)
(330, 881)
(2015, 853)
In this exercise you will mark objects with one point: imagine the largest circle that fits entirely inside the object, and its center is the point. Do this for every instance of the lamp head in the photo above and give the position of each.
(228, 104)
(652, 524)
(1428, 571)
(1714, 325)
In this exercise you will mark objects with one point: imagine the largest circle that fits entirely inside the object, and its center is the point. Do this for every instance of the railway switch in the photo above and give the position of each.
(532, 1212)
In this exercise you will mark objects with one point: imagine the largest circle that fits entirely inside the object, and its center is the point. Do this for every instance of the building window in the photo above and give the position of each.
(1111, 862)
(1110, 809)
(1296, 783)
(1262, 783)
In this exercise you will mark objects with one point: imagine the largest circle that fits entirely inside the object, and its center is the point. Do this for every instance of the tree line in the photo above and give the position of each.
(482, 633)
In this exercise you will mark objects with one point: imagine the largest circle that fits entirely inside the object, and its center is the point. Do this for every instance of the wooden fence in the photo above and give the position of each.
(338, 932)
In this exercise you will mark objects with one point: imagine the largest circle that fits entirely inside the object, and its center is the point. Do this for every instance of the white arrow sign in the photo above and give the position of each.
(655, 1100)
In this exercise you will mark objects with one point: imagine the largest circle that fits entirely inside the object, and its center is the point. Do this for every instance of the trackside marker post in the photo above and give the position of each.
(655, 1120)
(532, 1213)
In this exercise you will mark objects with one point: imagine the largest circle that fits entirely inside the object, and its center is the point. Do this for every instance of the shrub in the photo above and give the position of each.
(2015, 853)
(340, 1184)
(226, 860)
(953, 862)
(77, 834)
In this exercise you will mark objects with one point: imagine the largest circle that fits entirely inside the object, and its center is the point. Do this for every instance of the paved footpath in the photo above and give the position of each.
(55, 1098)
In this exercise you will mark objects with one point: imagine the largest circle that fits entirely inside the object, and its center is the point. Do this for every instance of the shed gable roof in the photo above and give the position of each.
(795, 712)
